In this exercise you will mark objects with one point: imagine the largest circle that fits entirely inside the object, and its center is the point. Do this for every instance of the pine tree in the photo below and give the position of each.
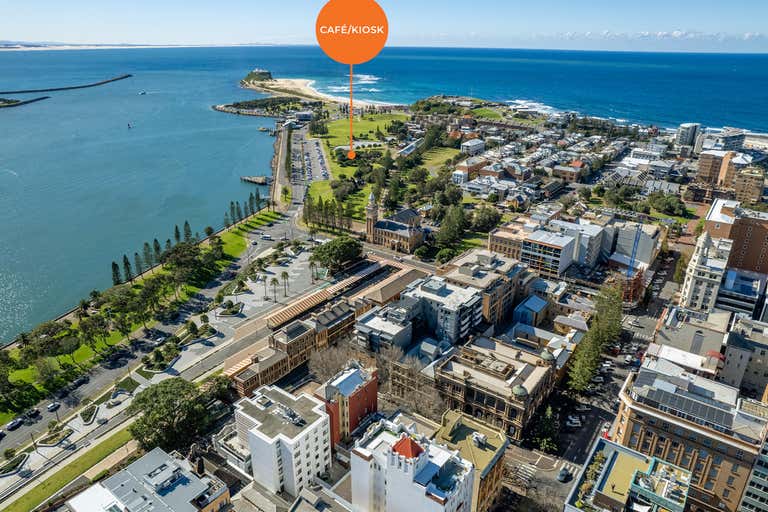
(127, 269)
(226, 220)
(239, 211)
(116, 280)
(139, 264)
(232, 212)
(176, 233)
(257, 200)
(187, 232)
(157, 250)
(168, 245)
(148, 258)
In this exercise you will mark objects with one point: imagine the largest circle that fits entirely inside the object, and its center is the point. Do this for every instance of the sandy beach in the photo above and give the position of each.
(304, 88)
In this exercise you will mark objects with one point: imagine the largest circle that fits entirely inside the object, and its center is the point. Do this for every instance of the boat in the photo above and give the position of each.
(263, 129)
(143, 93)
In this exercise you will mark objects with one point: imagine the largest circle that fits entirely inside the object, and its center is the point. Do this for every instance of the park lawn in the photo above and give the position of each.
(473, 240)
(54, 483)
(689, 215)
(436, 157)
(235, 240)
(486, 113)
(366, 125)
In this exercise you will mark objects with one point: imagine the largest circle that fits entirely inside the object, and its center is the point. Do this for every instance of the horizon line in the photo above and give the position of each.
(32, 45)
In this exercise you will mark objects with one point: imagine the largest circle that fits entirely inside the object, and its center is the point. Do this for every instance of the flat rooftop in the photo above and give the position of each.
(681, 330)
(278, 412)
(497, 366)
(437, 289)
(549, 238)
(480, 268)
(460, 432)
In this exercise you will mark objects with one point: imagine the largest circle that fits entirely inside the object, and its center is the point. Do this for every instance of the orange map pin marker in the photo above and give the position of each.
(351, 32)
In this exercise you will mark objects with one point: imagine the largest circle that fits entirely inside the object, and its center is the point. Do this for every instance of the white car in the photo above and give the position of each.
(583, 408)
(598, 379)
(573, 424)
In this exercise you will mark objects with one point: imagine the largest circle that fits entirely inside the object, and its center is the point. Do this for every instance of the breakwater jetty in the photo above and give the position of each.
(71, 87)
(258, 180)
(25, 102)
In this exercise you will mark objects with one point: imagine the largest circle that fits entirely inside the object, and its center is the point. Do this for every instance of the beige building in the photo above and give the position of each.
(747, 228)
(508, 239)
(748, 185)
(494, 275)
(400, 232)
(496, 383)
(481, 445)
(697, 424)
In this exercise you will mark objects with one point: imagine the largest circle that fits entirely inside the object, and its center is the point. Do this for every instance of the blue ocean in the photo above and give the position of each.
(78, 188)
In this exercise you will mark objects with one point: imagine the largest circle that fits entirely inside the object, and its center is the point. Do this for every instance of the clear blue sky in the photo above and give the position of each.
(664, 25)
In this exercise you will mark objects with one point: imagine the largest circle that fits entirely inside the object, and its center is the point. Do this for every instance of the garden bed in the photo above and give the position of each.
(55, 438)
(231, 309)
(12, 466)
(89, 414)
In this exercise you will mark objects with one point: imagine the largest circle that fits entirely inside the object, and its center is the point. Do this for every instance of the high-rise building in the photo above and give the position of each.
(448, 311)
(747, 228)
(589, 240)
(288, 438)
(396, 470)
(748, 185)
(710, 166)
(704, 273)
(549, 254)
(697, 424)
(687, 133)
(494, 275)
(349, 396)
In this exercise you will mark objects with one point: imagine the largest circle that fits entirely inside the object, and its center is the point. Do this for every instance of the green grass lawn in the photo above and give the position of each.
(54, 483)
(338, 131)
(689, 216)
(486, 113)
(436, 157)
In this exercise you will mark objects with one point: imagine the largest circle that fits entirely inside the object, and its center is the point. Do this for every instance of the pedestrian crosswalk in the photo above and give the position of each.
(572, 467)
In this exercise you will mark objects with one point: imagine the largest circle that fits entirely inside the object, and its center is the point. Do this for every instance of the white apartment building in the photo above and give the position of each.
(648, 244)
(396, 470)
(687, 133)
(549, 254)
(705, 273)
(288, 437)
(473, 147)
(589, 240)
(449, 311)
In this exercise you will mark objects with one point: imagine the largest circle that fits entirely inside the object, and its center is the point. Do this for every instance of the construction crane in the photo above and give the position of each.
(631, 267)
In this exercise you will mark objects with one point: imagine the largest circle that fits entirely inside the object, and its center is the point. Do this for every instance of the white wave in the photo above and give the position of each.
(12, 173)
(337, 88)
(364, 79)
(369, 89)
(534, 105)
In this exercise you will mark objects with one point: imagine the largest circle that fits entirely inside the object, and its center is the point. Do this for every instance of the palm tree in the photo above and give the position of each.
(284, 276)
(263, 278)
(275, 283)
(313, 268)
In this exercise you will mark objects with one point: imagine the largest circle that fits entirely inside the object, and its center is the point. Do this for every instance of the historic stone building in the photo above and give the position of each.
(400, 232)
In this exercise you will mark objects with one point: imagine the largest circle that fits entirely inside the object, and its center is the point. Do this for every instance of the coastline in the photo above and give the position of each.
(304, 88)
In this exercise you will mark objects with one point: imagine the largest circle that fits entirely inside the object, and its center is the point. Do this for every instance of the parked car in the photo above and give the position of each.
(573, 424)
(563, 476)
(628, 359)
(598, 379)
(583, 408)
(80, 381)
(53, 406)
(14, 424)
(2, 434)
(32, 413)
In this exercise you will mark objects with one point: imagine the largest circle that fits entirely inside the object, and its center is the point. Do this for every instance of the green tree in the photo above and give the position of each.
(192, 328)
(139, 264)
(187, 232)
(274, 283)
(453, 227)
(157, 251)
(149, 259)
(485, 219)
(116, 279)
(227, 222)
(208, 231)
(127, 272)
(339, 251)
(170, 415)
(585, 193)
(680, 267)
(176, 233)
(445, 255)
(284, 277)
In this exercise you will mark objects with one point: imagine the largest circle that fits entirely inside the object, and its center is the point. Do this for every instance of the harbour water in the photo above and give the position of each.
(78, 188)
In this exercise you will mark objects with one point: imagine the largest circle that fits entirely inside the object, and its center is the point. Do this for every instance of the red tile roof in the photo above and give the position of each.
(407, 447)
